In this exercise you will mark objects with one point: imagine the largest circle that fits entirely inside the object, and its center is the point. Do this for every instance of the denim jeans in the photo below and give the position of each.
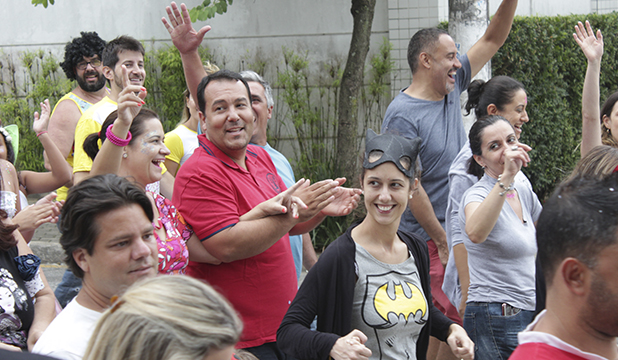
(494, 335)
(68, 288)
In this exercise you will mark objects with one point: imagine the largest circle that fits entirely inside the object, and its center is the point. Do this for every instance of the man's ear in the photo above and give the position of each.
(108, 73)
(425, 60)
(575, 275)
(202, 118)
(81, 259)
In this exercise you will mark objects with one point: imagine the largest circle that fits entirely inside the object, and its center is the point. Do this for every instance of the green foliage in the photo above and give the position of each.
(165, 81)
(312, 110)
(208, 9)
(541, 53)
(42, 2)
(43, 79)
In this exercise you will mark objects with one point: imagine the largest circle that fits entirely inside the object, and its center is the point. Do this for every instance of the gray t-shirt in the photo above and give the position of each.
(502, 267)
(389, 306)
(458, 182)
(440, 126)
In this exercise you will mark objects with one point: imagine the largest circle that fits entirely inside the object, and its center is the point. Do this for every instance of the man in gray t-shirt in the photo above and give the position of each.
(430, 108)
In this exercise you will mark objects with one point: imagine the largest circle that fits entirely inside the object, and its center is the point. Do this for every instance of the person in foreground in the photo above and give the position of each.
(578, 246)
(109, 242)
(370, 288)
(164, 318)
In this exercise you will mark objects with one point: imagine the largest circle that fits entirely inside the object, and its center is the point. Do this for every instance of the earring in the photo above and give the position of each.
(410, 196)
(125, 155)
(483, 167)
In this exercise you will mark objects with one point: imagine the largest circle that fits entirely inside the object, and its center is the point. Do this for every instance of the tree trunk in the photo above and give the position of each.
(467, 22)
(350, 90)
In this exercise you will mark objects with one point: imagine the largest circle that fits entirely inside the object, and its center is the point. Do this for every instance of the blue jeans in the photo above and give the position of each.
(494, 334)
(68, 288)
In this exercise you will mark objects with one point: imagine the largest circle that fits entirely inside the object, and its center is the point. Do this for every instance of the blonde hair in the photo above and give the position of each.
(598, 164)
(165, 317)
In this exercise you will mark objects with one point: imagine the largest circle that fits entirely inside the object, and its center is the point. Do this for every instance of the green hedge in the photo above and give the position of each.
(541, 53)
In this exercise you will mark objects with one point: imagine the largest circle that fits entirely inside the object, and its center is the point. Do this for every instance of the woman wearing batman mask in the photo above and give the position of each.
(370, 288)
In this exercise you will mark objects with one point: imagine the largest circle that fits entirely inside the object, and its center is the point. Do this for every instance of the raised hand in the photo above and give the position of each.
(345, 200)
(284, 203)
(183, 35)
(130, 99)
(515, 158)
(40, 123)
(591, 46)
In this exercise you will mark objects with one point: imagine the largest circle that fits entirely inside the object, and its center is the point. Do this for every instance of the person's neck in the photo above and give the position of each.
(114, 93)
(90, 298)
(259, 138)
(92, 97)
(571, 329)
(192, 123)
(369, 233)
(238, 156)
(422, 89)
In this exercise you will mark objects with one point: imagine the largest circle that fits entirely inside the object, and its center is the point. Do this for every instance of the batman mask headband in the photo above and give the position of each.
(394, 148)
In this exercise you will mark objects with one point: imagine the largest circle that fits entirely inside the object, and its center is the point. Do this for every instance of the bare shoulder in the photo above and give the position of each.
(66, 114)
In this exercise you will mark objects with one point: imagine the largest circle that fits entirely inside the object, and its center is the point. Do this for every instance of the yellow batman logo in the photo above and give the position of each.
(401, 304)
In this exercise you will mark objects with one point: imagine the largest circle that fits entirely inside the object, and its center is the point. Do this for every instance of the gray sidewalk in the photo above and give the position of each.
(45, 244)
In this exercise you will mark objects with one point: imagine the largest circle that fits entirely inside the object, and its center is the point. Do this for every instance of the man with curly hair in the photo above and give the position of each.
(82, 62)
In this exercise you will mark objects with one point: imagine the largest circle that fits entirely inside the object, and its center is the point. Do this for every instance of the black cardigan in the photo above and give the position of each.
(328, 291)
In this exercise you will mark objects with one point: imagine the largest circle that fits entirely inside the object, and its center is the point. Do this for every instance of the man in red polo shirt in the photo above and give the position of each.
(219, 187)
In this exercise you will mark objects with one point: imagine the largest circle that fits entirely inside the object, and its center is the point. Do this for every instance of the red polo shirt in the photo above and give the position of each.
(211, 192)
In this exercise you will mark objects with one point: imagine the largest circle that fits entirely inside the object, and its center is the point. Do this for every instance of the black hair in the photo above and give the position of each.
(423, 40)
(88, 45)
(119, 44)
(499, 91)
(87, 201)
(476, 141)
(221, 75)
(91, 144)
(10, 153)
(579, 220)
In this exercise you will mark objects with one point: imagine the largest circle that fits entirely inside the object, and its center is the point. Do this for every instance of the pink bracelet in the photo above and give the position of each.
(41, 133)
(115, 139)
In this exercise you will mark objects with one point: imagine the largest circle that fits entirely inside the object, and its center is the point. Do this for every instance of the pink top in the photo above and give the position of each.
(173, 251)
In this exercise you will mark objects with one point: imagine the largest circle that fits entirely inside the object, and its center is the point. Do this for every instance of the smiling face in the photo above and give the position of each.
(444, 67)
(145, 154)
(387, 192)
(262, 110)
(124, 251)
(495, 139)
(515, 111)
(91, 78)
(228, 117)
(134, 62)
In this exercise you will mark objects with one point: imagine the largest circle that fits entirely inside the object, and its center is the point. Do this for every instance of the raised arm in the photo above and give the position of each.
(592, 47)
(494, 37)
(109, 157)
(186, 40)
(481, 217)
(60, 173)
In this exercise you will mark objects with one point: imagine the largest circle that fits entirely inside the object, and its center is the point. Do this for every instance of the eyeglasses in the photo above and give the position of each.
(84, 64)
